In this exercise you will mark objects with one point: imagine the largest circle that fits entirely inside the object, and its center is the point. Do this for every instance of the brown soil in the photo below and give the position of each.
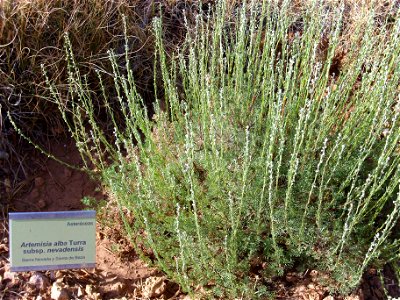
(120, 274)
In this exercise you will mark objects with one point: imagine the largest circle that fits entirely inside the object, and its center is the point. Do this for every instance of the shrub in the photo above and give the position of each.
(257, 149)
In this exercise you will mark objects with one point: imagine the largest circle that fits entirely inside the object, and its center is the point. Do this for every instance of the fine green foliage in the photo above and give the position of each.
(256, 148)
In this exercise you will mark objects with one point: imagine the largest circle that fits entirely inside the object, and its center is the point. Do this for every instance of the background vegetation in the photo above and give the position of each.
(266, 137)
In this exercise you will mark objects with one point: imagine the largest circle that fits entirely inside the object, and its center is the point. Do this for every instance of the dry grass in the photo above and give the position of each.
(32, 34)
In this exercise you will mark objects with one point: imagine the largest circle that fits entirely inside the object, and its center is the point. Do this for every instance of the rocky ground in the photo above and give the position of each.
(120, 274)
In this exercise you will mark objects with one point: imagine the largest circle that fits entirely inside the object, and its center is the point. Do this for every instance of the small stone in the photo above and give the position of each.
(119, 287)
(9, 275)
(58, 293)
(300, 288)
(312, 295)
(311, 286)
(60, 280)
(329, 298)
(3, 248)
(81, 292)
(154, 287)
(41, 203)
(40, 281)
(89, 289)
(59, 275)
(39, 181)
(91, 292)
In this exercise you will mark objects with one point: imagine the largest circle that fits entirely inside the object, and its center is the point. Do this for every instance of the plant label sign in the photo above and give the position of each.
(52, 240)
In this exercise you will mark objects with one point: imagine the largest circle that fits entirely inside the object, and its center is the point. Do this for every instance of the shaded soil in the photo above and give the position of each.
(120, 274)
(56, 187)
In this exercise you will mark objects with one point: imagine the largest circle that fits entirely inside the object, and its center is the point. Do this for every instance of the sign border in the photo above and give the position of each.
(52, 215)
(43, 216)
(53, 267)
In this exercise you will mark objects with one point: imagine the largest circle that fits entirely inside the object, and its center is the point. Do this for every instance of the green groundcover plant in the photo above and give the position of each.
(255, 148)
